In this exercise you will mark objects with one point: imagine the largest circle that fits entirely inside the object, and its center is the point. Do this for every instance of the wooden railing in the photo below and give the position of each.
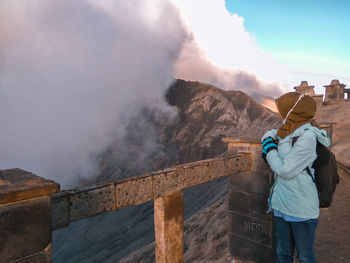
(34, 206)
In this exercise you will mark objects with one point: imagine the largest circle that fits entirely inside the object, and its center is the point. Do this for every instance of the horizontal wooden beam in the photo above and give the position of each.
(83, 202)
(241, 141)
(73, 205)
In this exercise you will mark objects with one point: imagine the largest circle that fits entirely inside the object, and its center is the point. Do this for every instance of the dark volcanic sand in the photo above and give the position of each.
(333, 233)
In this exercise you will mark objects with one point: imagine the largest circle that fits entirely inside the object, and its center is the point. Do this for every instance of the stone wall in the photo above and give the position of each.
(25, 217)
(252, 233)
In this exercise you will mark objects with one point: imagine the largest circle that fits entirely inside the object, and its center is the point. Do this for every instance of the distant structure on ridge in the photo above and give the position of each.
(304, 88)
(336, 91)
(335, 94)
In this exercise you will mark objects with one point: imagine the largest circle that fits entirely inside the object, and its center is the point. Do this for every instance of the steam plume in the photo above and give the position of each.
(72, 72)
(223, 53)
(69, 70)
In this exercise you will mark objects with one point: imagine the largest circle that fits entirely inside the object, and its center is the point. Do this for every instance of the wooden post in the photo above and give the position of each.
(168, 222)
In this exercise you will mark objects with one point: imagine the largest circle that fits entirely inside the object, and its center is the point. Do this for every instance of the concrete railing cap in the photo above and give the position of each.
(17, 185)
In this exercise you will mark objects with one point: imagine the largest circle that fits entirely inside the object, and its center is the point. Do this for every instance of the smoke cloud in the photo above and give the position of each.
(221, 52)
(72, 71)
(193, 65)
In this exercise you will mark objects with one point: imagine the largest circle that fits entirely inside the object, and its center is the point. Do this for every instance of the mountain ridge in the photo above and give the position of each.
(205, 115)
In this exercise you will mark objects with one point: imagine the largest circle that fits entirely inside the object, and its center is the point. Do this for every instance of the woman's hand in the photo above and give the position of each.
(268, 144)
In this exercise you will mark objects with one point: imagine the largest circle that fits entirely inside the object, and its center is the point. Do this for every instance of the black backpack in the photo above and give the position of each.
(326, 173)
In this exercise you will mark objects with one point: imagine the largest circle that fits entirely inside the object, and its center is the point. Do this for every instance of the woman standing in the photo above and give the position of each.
(294, 198)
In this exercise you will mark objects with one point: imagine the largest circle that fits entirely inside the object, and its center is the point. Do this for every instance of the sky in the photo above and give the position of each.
(311, 37)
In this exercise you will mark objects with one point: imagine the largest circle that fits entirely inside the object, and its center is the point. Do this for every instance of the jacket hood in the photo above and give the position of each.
(321, 135)
(296, 110)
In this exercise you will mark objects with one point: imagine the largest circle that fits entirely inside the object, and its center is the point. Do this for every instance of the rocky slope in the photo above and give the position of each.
(205, 238)
(339, 113)
(206, 114)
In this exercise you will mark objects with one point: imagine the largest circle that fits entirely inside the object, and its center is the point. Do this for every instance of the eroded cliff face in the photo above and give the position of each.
(206, 114)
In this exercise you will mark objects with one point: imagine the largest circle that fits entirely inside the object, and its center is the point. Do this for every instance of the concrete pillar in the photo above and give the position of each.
(328, 126)
(252, 233)
(319, 106)
(25, 217)
(169, 222)
(334, 92)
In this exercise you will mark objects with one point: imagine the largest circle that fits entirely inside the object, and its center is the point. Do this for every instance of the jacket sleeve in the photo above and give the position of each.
(270, 133)
(301, 155)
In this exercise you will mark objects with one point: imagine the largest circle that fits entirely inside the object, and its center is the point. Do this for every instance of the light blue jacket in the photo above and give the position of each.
(294, 193)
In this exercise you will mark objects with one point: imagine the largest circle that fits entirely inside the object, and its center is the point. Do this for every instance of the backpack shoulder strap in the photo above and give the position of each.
(294, 140)
(309, 173)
